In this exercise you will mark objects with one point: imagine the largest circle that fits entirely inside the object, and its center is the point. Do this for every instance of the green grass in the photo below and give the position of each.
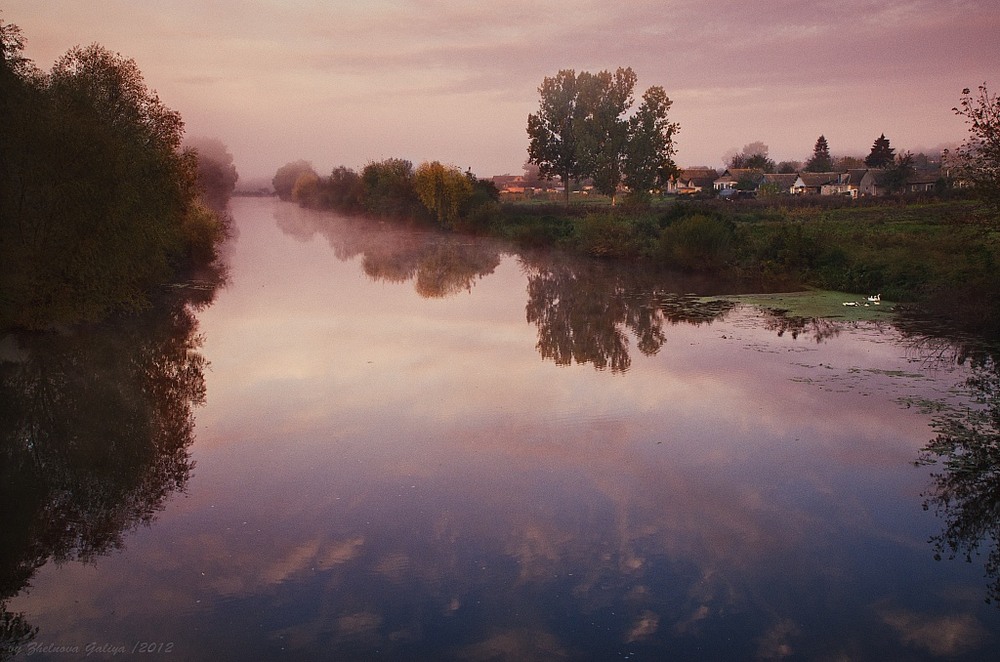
(819, 303)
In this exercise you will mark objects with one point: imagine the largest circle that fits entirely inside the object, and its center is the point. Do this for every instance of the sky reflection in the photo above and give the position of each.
(378, 470)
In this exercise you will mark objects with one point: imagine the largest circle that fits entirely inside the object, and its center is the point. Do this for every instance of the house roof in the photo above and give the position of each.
(855, 175)
(736, 174)
(688, 173)
(923, 177)
(785, 180)
(699, 176)
(507, 179)
(819, 178)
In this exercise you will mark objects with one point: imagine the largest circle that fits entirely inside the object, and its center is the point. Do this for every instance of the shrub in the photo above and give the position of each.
(610, 235)
(697, 243)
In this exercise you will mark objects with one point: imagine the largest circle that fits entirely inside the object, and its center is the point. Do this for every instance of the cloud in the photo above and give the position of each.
(644, 627)
(951, 635)
(347, 82)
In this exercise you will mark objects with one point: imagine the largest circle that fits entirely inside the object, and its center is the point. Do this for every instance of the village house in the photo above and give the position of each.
(921, 182)
(812, 183)
(519, 185)
(734, 178)
(692, 180)
(777, 183)
(862, 183)
(509, 183)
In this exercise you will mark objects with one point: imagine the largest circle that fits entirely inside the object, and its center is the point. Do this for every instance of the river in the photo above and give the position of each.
(382, 443)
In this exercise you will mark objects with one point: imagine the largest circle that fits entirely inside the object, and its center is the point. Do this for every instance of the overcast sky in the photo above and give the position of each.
(345, 82)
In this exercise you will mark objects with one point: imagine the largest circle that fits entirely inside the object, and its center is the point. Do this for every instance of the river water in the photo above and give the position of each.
(380, 443)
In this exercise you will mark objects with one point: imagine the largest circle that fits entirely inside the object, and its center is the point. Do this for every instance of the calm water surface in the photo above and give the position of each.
(416, 447)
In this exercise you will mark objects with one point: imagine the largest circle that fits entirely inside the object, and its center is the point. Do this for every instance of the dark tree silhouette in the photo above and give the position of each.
(94, 438)
(820, 161)
(882, 155)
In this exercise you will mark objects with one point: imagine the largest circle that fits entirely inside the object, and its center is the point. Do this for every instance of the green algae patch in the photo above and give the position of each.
(819, 303)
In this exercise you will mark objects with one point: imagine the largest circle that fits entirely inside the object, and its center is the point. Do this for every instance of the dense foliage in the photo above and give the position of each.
(583, 130)
(882, 154)
(934, 254)
(393, 189)
(820, 161)
(99, 205)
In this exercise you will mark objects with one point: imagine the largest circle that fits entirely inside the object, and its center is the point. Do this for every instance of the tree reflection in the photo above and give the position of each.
(966, 492)
(582, 309)
(440, 265)
(819, 328)
(94, 437)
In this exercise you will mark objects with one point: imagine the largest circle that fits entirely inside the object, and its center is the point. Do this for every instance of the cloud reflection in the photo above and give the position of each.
(381, 470)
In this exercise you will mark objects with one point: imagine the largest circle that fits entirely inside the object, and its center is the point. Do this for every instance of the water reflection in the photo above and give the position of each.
(582, 309)
(440, 265)
(94, 438)
(381, 475)
(817, 328)
(966, 491)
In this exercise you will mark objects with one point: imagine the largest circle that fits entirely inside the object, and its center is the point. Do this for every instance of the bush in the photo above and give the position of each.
(610, 235)
(697, 243)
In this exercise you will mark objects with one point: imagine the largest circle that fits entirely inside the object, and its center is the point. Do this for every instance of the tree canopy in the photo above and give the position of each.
(98, 202)
(820, 161)
(286, 176)
(553, 129)
(216, 175)
(443, 190)
(882, 155)
(979, 156)
(583, 130)
(649, 157)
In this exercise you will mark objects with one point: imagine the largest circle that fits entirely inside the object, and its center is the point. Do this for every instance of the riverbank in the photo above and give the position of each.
(934, 254)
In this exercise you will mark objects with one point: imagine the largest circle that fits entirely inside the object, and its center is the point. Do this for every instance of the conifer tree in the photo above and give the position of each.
(882, 155)
(820, 161)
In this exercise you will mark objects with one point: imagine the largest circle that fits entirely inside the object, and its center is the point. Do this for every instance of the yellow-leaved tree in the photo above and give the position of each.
(443, 190)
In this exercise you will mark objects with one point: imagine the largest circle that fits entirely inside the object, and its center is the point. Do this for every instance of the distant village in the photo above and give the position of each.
(925, 175)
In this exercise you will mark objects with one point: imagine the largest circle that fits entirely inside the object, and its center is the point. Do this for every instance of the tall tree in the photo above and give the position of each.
(552, 131)
(602, 128)
(820, 161)
(882, 155)
(98, 204)
(649, 158)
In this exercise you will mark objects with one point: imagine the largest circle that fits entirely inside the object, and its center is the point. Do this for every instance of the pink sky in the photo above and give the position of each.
(347, 82)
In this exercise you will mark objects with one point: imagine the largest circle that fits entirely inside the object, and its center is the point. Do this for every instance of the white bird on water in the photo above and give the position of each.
(876, 299)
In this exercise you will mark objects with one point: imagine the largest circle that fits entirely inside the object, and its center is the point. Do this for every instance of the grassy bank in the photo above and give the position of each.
(936, 254)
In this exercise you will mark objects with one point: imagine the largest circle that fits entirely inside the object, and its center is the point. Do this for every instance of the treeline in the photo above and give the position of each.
(100, 205)
(394, 189)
